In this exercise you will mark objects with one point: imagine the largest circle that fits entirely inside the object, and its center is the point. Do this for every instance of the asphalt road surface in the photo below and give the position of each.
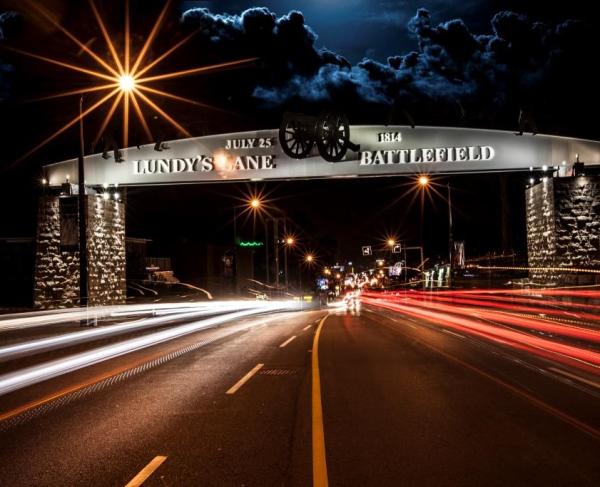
(385, 400)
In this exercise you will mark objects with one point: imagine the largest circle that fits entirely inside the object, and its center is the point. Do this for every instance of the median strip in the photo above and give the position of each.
(244, 379)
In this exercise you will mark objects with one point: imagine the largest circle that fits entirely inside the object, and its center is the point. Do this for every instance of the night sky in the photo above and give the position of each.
(472, 63)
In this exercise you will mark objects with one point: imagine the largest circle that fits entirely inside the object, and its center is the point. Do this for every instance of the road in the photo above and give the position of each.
(388, 399)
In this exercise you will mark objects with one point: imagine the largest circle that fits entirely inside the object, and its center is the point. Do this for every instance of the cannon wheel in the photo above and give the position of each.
(295, 138)
(333, 136)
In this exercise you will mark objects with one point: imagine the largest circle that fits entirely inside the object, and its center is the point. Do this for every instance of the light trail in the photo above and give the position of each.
(509, 299)
(513, 307)
(53, 317)
(31, 347)
(563, 292)
(38, 373)
(453, 317)
(537, 324)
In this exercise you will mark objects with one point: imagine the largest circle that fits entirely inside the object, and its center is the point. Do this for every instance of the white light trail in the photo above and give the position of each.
(53, 317)
(38, 373)
(173, 315)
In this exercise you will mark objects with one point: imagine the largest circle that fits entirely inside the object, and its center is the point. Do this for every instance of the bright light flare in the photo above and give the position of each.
(127, 83)
(423, 181)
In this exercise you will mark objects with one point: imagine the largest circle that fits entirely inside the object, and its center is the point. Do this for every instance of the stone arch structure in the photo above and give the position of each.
(256, 156)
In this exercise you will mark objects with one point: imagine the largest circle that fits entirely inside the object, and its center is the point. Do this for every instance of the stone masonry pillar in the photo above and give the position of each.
(563, 230)
(57, 254)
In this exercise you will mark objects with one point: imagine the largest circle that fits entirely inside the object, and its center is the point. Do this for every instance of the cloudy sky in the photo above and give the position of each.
(378, 28)
(469, 63)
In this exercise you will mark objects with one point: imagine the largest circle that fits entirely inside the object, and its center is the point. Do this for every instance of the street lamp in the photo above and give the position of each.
(289, 242)
(423, 182)
(391, 242)
(254, 204)
(126, 83)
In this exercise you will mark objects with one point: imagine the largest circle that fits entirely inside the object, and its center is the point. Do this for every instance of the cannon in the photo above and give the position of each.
(298, 133)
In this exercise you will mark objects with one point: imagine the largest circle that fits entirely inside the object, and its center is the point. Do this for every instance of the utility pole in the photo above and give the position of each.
(266, 223)
(449, 235)
(83, 254)
(276, 249)
(285, 253)
(235, 251)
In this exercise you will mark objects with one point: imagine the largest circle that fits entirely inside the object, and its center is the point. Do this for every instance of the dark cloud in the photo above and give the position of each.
(454, 76)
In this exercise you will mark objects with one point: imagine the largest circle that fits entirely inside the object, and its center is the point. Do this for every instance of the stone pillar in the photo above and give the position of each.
(563, 229)
(57, 266)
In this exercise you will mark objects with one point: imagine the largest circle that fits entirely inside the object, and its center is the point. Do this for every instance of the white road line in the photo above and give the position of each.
(145, 472)
(287, 341)
(306, 327)
(575, 377)
(244, 379)
(452, 333)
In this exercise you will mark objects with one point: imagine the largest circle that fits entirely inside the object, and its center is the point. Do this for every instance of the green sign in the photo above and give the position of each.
(250, 243)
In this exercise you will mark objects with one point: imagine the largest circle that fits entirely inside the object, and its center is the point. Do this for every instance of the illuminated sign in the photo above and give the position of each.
(394, 150)
(433, 154)
(250, 243)
(204, 163)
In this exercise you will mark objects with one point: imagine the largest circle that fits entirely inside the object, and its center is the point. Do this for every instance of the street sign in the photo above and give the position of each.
(250, 243)
(396, 249)
(366, 250)
(396, 269)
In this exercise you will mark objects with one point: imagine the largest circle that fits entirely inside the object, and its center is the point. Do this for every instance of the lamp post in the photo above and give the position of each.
(423, 182)
(289, 242)
(309, 260)
(450, 243)
(254, 205)
(83, 254)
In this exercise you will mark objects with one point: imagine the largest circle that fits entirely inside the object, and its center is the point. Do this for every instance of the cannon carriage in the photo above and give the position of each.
(330, 131)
